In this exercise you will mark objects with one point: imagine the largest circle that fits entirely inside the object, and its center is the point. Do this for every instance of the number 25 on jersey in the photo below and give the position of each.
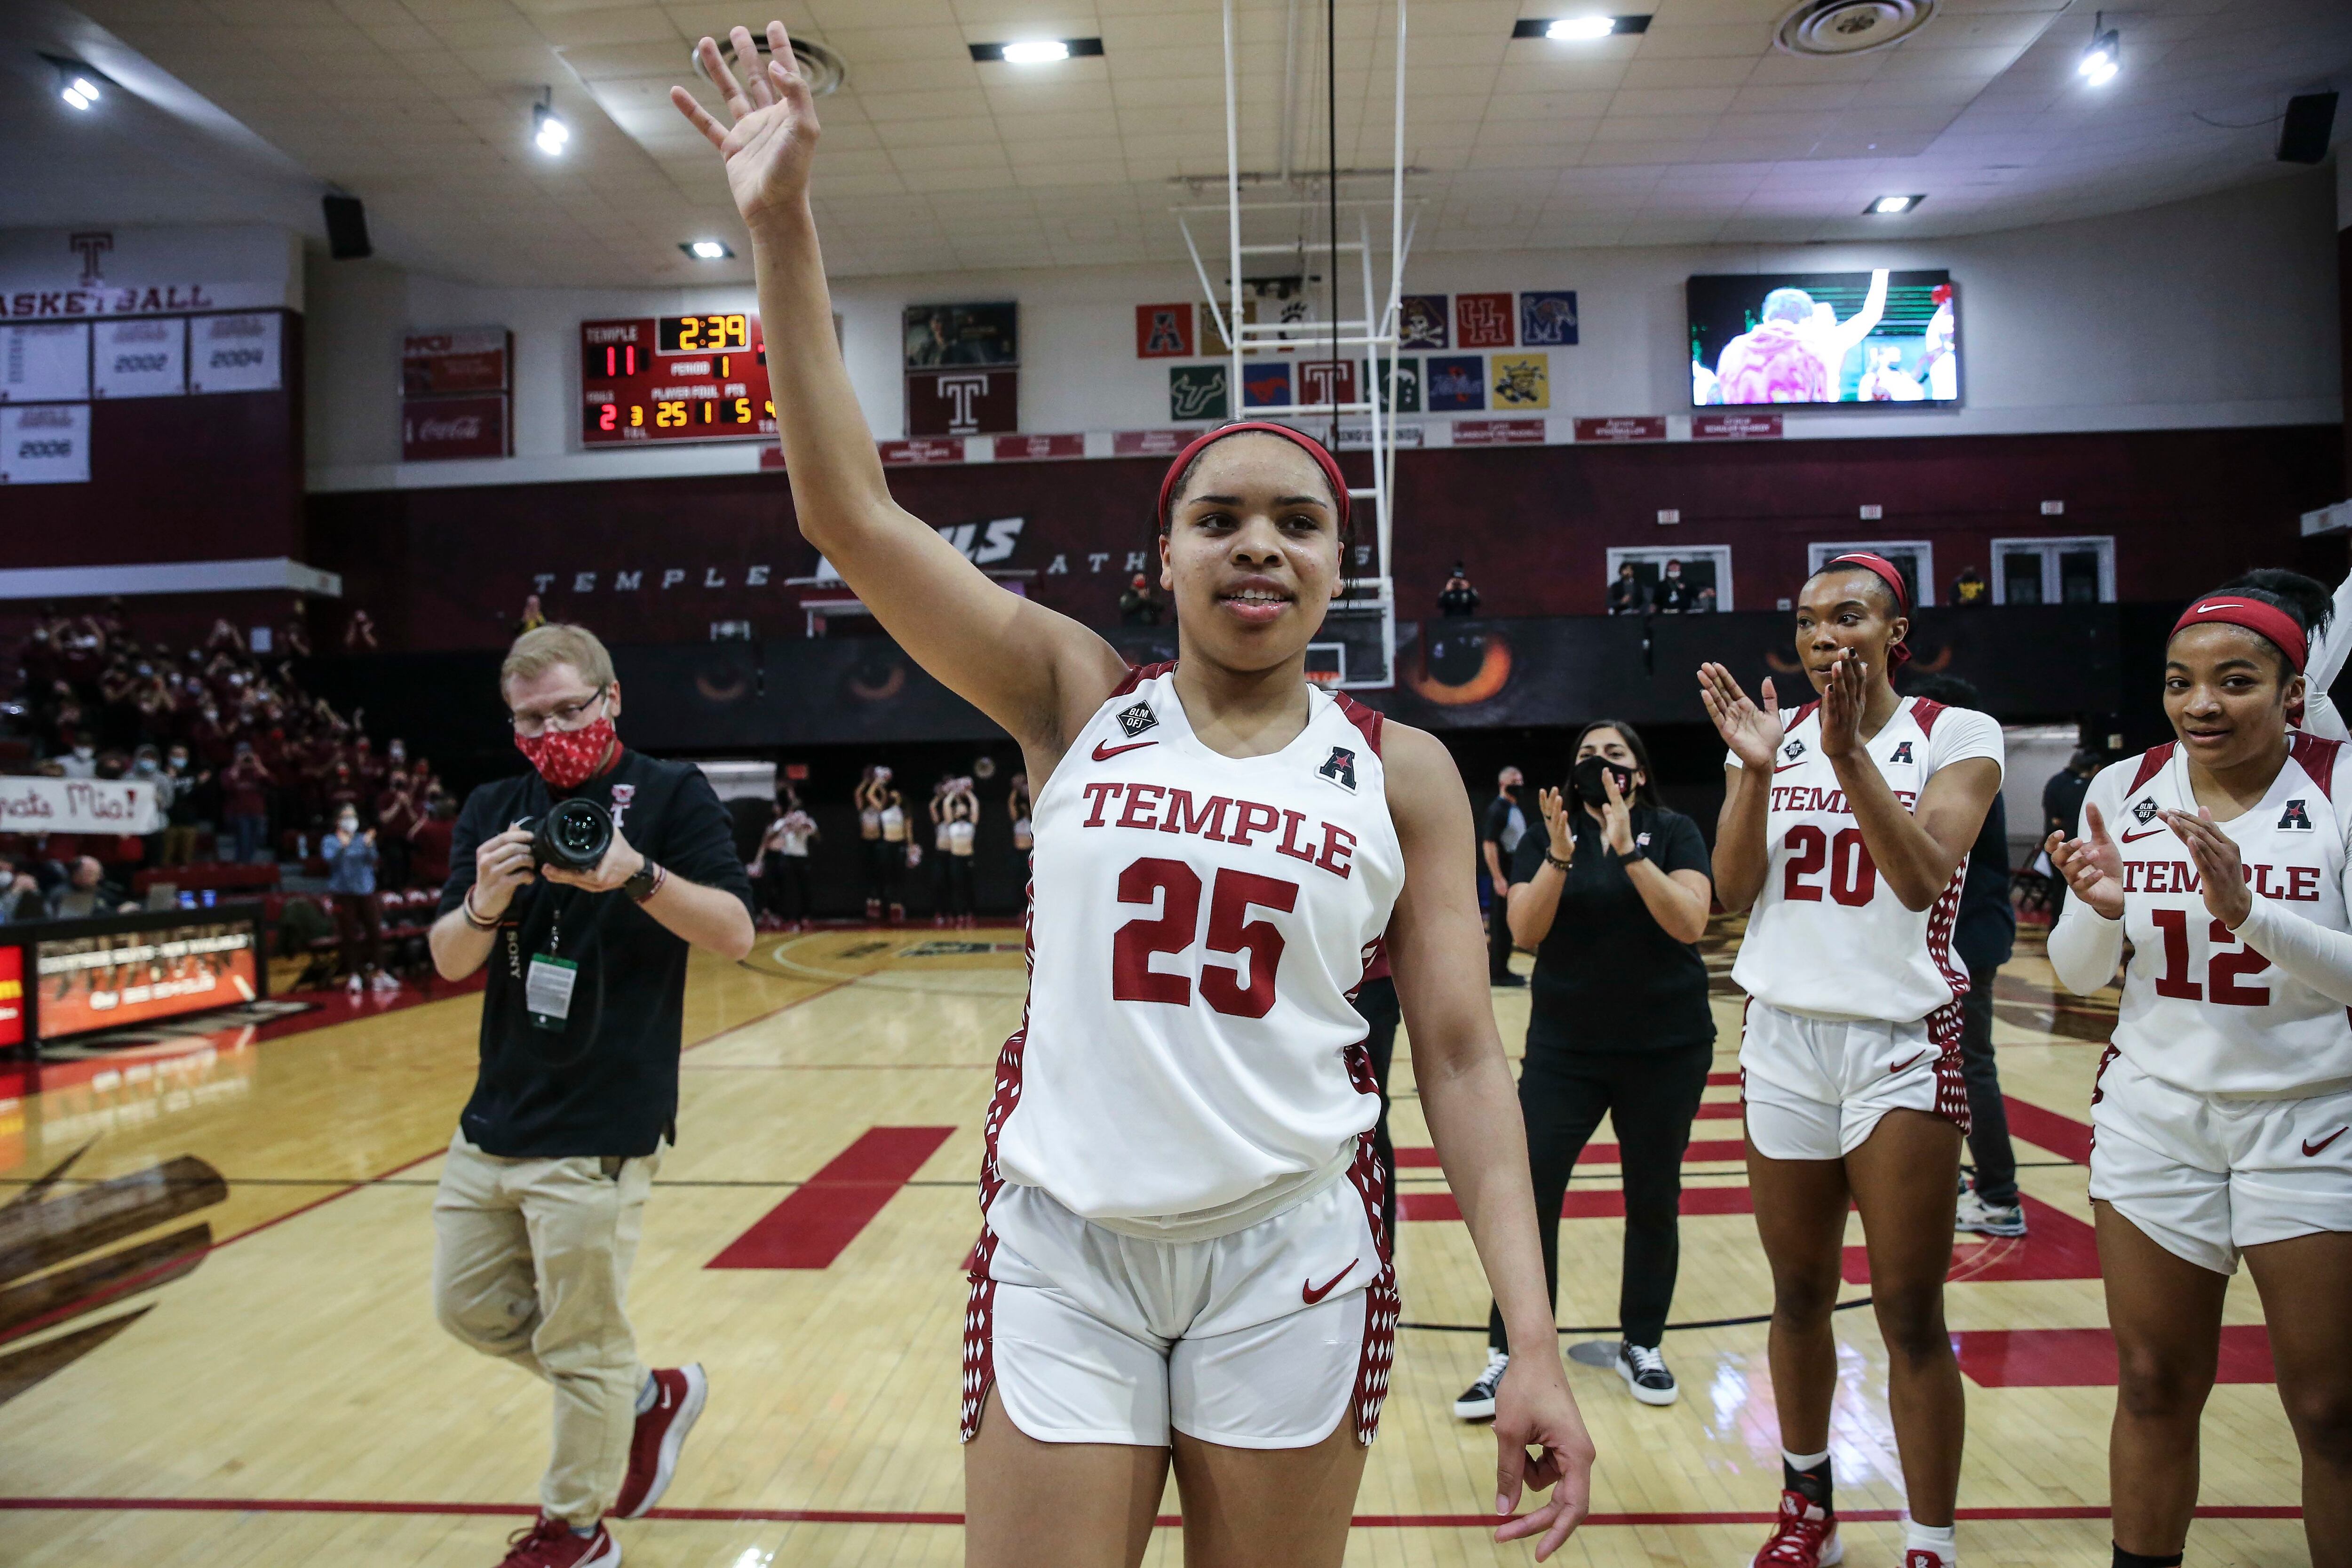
(1251, 948)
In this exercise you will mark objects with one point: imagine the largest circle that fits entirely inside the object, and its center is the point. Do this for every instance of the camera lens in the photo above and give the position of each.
(574, 835)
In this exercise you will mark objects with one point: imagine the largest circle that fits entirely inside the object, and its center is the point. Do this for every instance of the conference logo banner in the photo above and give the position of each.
(1164, 331)
(79, 805)
(1546, 318)
(1482, 320)
(1457, 383)
(1407, 398)
(1522, 380)
(1422, 322)
(1265, 386)
(1198, 392)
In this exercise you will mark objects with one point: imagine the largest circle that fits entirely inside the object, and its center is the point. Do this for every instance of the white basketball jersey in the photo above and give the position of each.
(2202, 1011)
(1827, 936)
(1197, 925)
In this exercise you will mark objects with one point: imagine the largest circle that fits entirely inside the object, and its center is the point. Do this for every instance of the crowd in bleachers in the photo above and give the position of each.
(253, 771)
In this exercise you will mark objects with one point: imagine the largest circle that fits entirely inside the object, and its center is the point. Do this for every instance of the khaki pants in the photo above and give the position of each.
(531, 1264)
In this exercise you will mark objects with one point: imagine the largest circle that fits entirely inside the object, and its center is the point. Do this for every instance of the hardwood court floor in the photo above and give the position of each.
(273, 1389)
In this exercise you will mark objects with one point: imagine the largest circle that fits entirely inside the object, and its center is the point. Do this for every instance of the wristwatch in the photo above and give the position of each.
(1635, 853)
(644, 881)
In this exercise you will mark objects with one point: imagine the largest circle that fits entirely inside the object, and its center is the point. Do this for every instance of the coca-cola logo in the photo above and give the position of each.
(464, 428)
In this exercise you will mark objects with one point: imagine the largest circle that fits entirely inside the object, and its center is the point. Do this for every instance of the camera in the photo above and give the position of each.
(574, 835)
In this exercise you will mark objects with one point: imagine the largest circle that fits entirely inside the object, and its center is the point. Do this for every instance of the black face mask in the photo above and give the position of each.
(1585, 781)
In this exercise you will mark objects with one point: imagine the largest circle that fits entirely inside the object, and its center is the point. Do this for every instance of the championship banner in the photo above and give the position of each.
(119, 806)
(61, 274)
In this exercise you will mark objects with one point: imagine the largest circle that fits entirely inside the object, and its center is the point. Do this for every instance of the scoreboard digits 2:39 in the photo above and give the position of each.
(675, 378)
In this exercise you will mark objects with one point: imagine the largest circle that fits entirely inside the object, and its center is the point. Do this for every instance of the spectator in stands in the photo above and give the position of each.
(428, 841)
(1457, 598)
(1137, 607)
(1973, 591)
(244, 803)
(1626, 596)
(20, 894)
(1703, 601)
(360, 635)
(1675, 592)
(82, 763)
(183, 779)
(351, 857)
(532, 617)
(397, 816)
(85, 893)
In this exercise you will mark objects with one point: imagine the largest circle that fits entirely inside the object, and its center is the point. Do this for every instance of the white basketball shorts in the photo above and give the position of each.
(1262, 1339)
(1816, 1087)
(2206, 1177)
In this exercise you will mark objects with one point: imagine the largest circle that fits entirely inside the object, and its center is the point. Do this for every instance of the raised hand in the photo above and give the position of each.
(774, 131)
(1752, 733)
(2227, 897)
(1843, 701)
(1535, 1409)
(1556, 823)
(2091, 865)
(1616, 817)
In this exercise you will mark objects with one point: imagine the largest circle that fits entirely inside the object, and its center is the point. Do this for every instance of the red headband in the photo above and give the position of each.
(1897, 654)
(2266, 620)
(1307, 444)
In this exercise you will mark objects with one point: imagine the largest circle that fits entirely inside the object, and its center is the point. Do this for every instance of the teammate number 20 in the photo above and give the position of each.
(1852, 874)
(1255, 945)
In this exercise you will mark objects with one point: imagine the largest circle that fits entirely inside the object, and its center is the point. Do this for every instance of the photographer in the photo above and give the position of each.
(1613, 896)
(544, 1194)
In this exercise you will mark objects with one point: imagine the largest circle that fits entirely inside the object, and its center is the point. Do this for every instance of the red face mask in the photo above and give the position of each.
(567, 759)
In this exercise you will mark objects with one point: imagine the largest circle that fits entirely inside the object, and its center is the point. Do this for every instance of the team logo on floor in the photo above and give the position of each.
(1902, 753)
(1135, 720)
(2296, 817)
(2145, 812)
(1341, 769)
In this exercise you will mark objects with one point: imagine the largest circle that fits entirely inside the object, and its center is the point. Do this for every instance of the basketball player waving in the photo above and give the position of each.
(1181, 1258)
(1847, 824)
(2222, 1107)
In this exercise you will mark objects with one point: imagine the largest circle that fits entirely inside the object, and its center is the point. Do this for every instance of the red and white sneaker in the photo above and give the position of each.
(550, 1543)
(661, 1433)
(1928, 1557)
(1805, 1538)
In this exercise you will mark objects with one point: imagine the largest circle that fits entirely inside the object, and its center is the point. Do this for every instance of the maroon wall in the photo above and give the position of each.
(176, 478)
(448, 568)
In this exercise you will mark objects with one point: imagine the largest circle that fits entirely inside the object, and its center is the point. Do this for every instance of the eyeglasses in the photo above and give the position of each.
(566, 716)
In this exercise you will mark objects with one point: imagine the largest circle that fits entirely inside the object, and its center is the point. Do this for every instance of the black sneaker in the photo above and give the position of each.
(1477, 1401)
(1507, 979)
(1645, 1374)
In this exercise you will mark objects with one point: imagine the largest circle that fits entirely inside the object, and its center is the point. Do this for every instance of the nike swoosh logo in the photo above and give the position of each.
(1311, 1294)
(2310, 1148)
(1784, 769)
(1104, 753)
(2135, 837)
(1899, 1066)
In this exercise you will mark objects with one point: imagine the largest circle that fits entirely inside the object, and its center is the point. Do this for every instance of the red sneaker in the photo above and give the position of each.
(550, 1543)
(1806, 1537)
(661, 1433)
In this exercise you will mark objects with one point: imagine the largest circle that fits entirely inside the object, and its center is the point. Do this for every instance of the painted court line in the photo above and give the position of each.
(813, 1227)
(865, 1516)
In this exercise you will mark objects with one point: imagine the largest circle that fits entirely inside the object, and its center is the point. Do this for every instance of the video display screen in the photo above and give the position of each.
(1824, 338)
(134, 977)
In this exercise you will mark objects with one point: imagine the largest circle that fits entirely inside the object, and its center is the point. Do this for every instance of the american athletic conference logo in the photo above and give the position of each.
(1340, 768)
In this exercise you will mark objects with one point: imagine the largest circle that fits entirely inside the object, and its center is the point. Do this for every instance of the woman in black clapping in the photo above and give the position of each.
(1612, 897)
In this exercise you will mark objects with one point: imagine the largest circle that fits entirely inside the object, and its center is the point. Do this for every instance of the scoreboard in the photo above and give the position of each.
(675, 378)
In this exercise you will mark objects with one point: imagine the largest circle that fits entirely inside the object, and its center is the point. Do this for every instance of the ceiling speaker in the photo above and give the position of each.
(347, 235)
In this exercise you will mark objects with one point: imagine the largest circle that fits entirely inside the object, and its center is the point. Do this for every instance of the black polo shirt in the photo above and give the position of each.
(607, 1084)
(1607, 976)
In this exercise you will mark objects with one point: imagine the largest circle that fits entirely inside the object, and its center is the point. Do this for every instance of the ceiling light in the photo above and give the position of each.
(1578, 29)
(1887, 207)
(2103, 58)
(707, 249)
(77, 83)
(547, 127)
(1036, 51)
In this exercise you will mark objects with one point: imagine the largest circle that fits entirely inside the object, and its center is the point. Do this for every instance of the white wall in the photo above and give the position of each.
(2219, 310)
